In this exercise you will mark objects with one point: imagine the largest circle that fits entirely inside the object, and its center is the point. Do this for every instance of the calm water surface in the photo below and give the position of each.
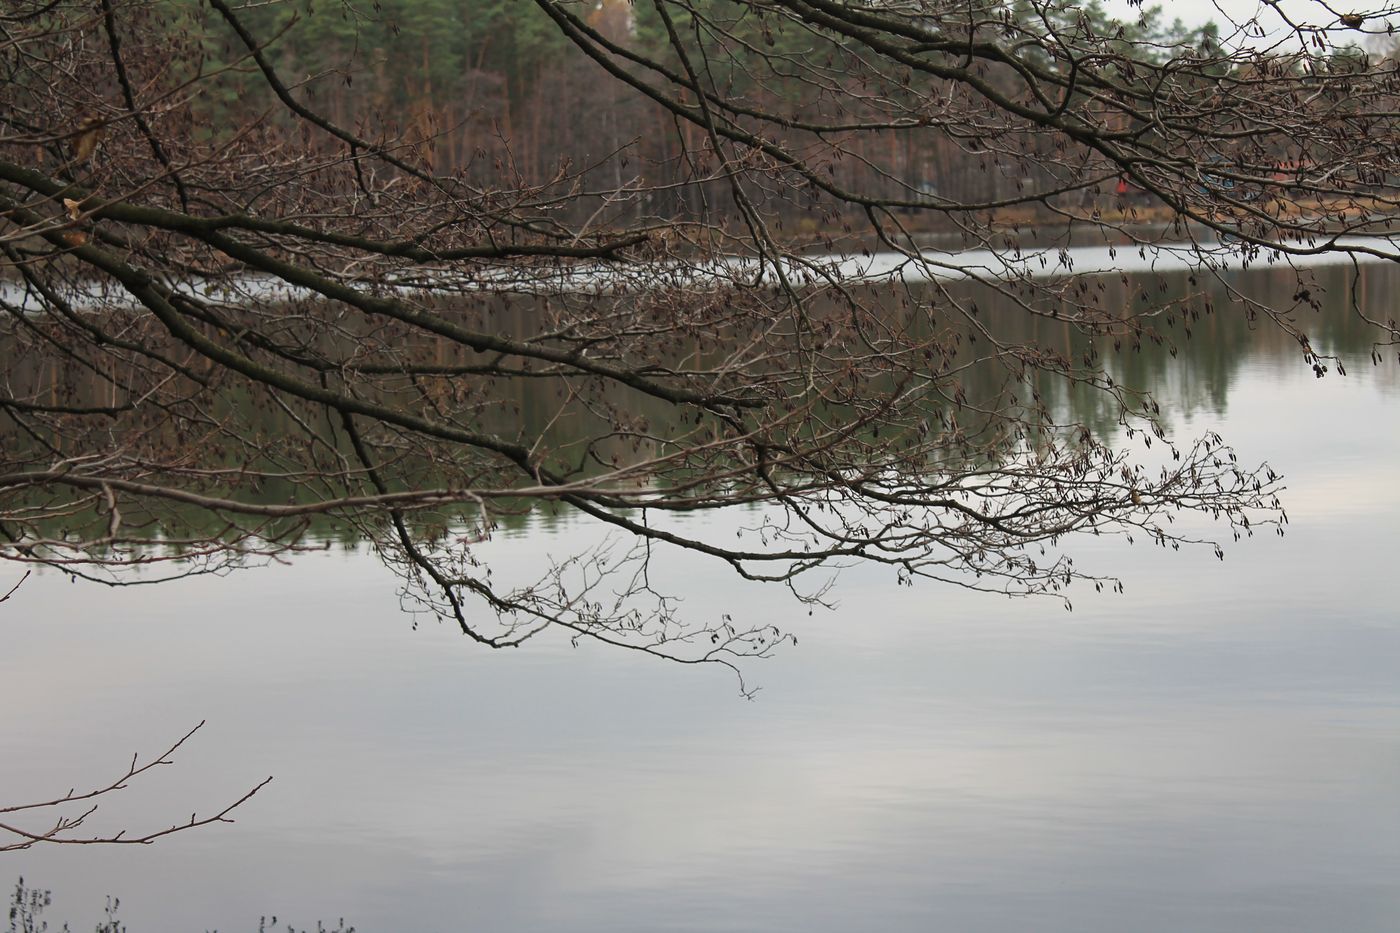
(1217, 749)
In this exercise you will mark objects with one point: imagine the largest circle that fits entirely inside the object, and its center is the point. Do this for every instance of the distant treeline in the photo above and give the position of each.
(492, 90)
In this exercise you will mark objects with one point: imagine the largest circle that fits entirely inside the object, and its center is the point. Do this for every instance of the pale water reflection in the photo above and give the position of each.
(1217, 749)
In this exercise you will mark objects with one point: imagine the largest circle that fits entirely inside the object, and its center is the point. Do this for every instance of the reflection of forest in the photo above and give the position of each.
(1204, 337)
(1203, 350)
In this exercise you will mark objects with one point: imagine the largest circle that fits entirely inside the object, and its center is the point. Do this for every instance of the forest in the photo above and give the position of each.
(494, 91)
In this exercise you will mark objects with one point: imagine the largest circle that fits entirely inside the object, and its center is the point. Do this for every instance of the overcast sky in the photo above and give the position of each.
(1311, 12)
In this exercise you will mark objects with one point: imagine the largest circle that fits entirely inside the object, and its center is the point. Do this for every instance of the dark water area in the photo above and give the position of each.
(1215, 749)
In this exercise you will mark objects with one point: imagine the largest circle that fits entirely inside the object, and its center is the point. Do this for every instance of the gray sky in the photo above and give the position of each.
(1310, 12)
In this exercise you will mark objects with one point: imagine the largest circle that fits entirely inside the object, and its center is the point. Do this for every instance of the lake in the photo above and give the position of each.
(1215, 749)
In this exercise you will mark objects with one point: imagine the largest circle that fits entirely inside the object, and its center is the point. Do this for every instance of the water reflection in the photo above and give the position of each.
(1216, 749)
(1189, 358)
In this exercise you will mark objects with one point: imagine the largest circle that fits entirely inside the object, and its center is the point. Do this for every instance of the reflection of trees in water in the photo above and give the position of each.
(1207, 331)
(1003, 420)
(1203, 335)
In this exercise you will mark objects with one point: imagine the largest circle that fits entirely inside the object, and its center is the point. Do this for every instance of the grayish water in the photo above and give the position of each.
(923, 265)
(1217, 749)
